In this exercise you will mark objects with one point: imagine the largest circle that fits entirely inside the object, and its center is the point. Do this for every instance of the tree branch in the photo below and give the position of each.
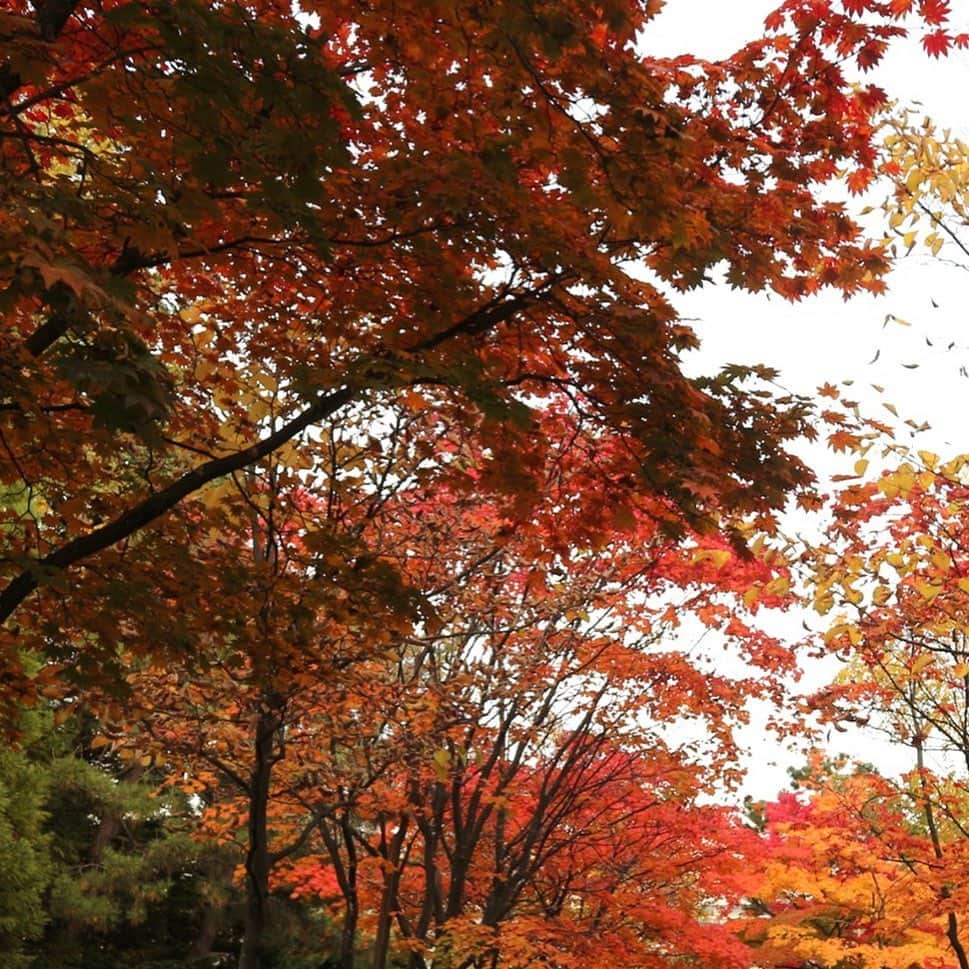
(485, 318)
(161, 502)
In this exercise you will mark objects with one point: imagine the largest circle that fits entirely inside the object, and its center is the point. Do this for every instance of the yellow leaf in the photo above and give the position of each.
(204, 368)
(941, 561)
(779, 586)
(442, 761)
(905, 479)
(257, 408)
(914, 180)
(717, 557)
(888, 486)
(823, 602)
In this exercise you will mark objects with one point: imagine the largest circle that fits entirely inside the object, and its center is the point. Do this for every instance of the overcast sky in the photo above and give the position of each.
(825, 338)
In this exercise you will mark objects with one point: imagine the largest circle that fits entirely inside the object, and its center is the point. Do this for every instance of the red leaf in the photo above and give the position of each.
(935, 12)
(937, 43)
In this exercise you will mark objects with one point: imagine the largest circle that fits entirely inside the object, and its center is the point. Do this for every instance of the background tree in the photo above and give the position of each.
(896, 571)
(848, 877)
(407, 663)
(104, 869)
(24, 848)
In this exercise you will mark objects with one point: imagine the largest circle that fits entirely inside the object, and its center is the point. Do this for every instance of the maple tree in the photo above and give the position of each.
(496, 682)
(207, 256)
(622, 863)
(847, 877)
(894, 580)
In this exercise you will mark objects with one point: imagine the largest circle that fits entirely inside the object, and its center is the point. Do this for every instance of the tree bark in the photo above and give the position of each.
(337, 840)
(389, 902)
(348, 933)
(258, 857)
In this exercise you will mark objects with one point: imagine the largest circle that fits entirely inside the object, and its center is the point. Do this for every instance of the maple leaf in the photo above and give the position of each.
(935, 11)
(937, 42)
(843, 440)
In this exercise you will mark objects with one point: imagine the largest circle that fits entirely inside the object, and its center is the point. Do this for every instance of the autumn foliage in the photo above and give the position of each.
(359, 514)
(195, 282)
(848, 877)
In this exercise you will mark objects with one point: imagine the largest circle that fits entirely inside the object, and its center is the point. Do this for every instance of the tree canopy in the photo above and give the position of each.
(357, 503)
(226, 224)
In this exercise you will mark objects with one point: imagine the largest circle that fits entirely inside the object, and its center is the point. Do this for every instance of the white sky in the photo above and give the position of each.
(826, 339)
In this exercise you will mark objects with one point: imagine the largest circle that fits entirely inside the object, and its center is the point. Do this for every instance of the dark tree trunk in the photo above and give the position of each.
(348, 935)
(340, 838)
(258, 858)
(389, 903)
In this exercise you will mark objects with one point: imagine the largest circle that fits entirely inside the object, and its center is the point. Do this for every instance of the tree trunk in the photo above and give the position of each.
(389, 903)
(346, 873)
(348, 934)
(258, 859)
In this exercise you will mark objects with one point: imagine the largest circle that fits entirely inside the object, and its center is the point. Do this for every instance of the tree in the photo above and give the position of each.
(25, 851)
(846, 878)
(509, 788)
(397, 669)
(103, 867)
(370, 208)
(585, 857)
(896, 573)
